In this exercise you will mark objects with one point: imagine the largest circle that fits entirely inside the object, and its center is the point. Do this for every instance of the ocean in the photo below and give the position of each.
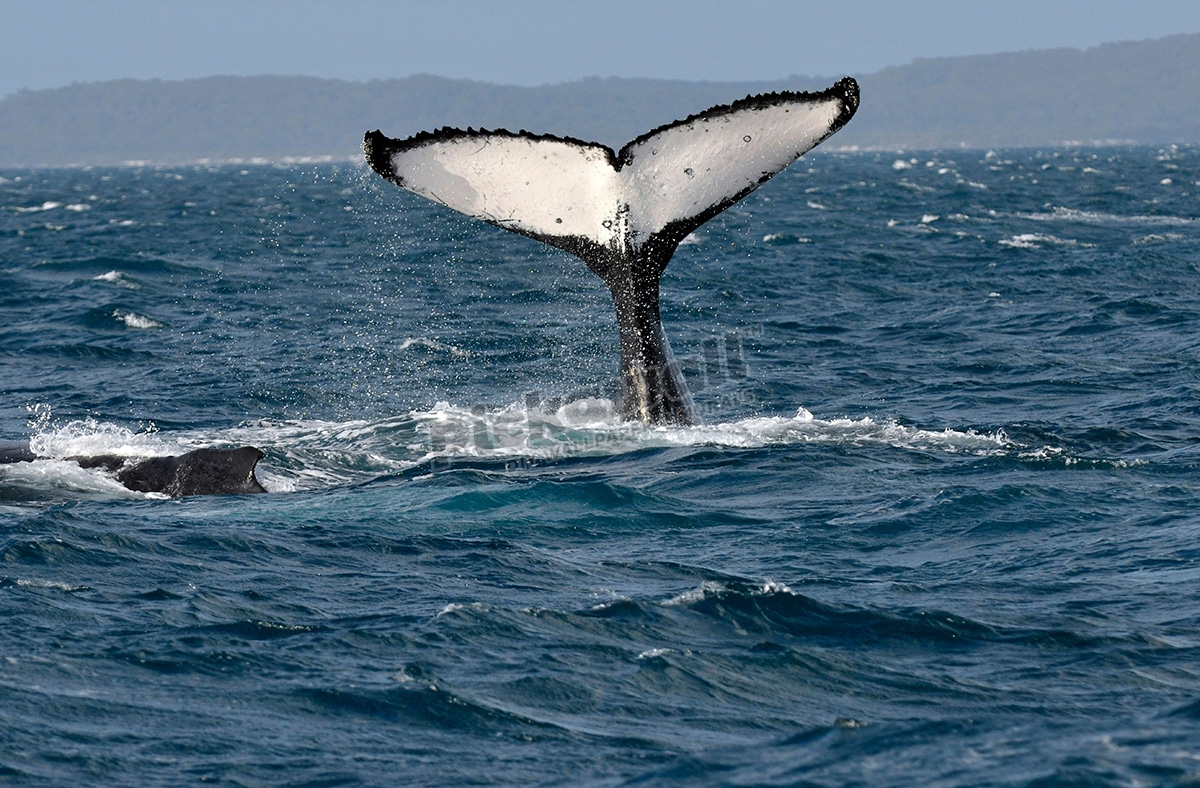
(940, 524)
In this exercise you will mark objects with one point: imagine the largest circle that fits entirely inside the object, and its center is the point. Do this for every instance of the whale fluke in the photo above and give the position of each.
(199, 472)
(624, 213)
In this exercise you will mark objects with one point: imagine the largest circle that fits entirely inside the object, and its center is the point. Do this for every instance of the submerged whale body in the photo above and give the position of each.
(199, 472)
(623, 213)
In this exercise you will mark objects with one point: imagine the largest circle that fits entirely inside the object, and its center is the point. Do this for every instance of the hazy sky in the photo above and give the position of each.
(50, 43)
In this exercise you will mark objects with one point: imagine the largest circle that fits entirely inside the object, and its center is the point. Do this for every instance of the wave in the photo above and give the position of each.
(117, 278)
(1037, 240)
(785, 239)
(49, 205)
(58, 479)
(773, 610)
(132, 320)
(1060, 214)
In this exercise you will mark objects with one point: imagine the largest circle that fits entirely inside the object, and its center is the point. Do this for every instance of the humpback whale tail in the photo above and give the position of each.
(622, 213)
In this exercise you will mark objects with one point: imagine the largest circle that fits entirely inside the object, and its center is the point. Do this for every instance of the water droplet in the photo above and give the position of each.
(746, 138)
(654, 151)
(558, 221)
(607, 223)
(689, 172)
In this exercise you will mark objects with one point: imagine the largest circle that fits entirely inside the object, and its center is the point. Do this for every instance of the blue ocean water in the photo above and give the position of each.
(939, 526)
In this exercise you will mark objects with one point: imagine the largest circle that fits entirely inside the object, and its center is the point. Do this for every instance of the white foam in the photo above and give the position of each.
(116, 278)
(313, 455)
(593, 428)
(89, 438)
(1036, 240)
(49, 205)
(1060, 214)
(45, 206)
(1156, 238)
(804, 428)
(65, 477)
(433, 344)
(454, 607)
(39, 583)
(136, 321)
(708, 588)
(694, 595)
(916, 187)
(1059, 454)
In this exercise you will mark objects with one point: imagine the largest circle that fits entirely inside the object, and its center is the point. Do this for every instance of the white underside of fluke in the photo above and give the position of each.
(557, 188)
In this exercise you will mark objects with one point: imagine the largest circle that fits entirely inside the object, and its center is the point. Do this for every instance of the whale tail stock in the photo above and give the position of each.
(623, 213)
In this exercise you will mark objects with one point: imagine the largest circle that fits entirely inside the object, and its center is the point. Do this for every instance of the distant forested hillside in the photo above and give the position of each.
(1147, 91)
(1143, 91)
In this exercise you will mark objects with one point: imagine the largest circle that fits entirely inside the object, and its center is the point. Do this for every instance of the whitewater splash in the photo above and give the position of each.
(589, 427)
(313, 455)
(89, 437)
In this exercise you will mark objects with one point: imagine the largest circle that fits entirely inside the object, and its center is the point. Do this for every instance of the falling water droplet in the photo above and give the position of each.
(746, 138)
(688, 172)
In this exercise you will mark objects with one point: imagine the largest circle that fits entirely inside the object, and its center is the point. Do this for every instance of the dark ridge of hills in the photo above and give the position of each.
(1143, 92)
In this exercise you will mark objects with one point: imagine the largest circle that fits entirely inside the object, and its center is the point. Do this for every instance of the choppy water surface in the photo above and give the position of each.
(939, 526)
